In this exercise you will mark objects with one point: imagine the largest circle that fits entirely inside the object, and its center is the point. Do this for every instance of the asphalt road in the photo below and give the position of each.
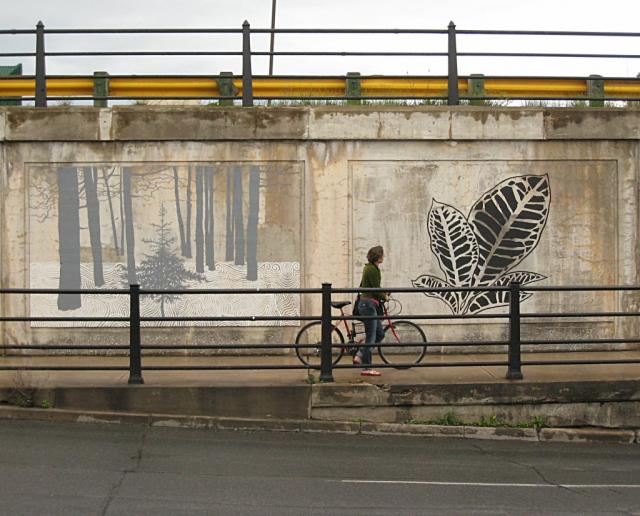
(69, 469)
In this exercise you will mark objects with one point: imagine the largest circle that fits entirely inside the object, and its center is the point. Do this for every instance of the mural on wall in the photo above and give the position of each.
(481, 249)
(166, 227)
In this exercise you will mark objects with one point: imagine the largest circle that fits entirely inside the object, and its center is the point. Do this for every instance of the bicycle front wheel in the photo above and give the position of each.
(309, 344)
(408, 344)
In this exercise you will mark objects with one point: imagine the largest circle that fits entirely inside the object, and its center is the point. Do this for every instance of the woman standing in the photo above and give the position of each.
(370, 305)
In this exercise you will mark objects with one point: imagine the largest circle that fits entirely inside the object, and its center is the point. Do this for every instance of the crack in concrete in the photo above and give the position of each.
(116, 487)
(527, 466)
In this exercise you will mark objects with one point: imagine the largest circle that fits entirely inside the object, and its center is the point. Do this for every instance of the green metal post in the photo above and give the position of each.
(100, 89)
(476, 88)
(353, 89)
(11, 70)
(595, 88)
(226, 89)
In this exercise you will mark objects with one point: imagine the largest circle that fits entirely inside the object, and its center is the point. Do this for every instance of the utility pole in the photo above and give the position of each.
(271, 44)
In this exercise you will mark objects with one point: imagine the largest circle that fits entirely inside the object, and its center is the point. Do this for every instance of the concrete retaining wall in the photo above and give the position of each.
(329, 183)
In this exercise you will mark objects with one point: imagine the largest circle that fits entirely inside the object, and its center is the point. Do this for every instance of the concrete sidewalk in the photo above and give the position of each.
(283, 377)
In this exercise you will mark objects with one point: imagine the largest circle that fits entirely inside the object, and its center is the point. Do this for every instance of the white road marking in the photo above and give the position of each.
(492, 484)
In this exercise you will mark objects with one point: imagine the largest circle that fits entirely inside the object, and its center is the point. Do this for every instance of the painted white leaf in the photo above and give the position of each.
(508, 221)
(453, 242)
(522, 277)
(493, 299)
(450, 298)
(486, 300)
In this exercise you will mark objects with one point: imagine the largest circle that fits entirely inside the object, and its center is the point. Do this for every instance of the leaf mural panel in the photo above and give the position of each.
(503, 227)
(508, 221)
(450, 298)
(453, 243)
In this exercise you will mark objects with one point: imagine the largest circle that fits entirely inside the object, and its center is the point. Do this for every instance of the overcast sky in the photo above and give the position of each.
(611, 15)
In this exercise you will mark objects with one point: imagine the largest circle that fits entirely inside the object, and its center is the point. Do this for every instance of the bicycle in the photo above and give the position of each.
(309, 339)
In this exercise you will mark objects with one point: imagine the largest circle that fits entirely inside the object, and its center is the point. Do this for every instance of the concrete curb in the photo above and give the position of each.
(565, 435)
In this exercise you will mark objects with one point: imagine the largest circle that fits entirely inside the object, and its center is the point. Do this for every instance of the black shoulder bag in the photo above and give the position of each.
(356, 303)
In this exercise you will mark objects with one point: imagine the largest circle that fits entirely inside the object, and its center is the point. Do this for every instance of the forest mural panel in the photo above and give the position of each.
(166, 226)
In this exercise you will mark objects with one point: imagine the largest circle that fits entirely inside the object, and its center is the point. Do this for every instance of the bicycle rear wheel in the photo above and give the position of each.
(309, 339)
(409, 344)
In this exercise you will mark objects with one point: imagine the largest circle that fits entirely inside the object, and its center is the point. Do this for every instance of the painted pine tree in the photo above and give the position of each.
(163, 268)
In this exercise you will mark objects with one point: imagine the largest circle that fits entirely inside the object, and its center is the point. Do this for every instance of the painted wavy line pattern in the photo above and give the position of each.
(226, 275)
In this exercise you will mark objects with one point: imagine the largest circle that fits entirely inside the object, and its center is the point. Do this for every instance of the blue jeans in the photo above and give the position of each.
(372, 328)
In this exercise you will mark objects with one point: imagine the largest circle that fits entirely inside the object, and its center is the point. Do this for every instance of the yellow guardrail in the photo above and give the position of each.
(409, 87)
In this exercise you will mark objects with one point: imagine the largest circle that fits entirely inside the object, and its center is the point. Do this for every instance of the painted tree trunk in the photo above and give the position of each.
(208, 233)
(238, 218)
(188, 228)
(129, 230)
(252, 223)
(122, 231)
(112, 215)
(228, 255)
(176, 190)
(199, 220)
(69, 237)
(93, 217)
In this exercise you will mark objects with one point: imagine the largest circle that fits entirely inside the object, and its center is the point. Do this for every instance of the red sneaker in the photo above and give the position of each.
(370, 372)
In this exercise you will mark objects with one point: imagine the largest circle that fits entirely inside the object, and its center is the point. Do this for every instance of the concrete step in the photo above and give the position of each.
(611, 404)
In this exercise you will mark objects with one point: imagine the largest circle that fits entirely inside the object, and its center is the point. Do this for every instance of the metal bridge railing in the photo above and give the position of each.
(351, 88)
(513, 359)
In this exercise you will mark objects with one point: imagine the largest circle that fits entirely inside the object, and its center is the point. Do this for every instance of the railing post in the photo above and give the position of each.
(247, 85)
(326, 373)
(514, 371)
(453, 97)
(100, 88)
(41, 74)
(135, 363)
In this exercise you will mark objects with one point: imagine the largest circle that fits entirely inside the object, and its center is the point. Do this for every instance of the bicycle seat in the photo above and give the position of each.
(340, 304)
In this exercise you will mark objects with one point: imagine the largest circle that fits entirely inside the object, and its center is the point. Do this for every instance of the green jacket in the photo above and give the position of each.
(371, 278)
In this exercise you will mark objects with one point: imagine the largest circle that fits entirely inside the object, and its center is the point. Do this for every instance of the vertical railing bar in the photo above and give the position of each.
(326, 373)
(453, 96)
(247, 84)
(41, 74)
(135, 362)
(514, 371)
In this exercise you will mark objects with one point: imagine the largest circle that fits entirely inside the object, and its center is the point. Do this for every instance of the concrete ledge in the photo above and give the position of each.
(595, 435)
(497, 124)
(588, 435)
(407, 429)
(377, 123)
(501, 433)
(592, 123)
(52, 124)
(208, 123)
(362, 395)
(264, 401)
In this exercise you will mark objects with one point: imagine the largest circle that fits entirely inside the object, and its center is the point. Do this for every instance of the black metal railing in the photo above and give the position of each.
(595, 93)
(513, 359)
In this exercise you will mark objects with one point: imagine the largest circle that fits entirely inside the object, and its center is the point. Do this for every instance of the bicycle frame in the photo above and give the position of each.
(352, 334)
